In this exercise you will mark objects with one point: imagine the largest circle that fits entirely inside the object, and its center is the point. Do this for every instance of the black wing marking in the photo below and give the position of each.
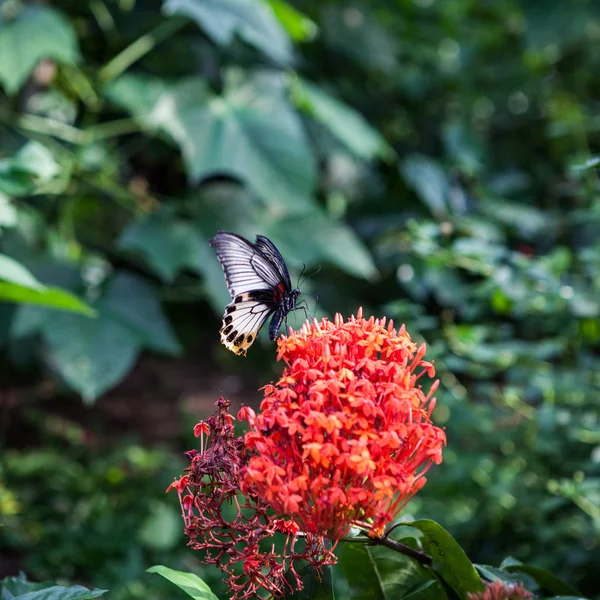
(246, 268)
(242, 321)
(267, 248)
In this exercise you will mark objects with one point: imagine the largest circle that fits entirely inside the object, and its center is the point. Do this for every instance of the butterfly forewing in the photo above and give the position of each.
(245, 269)
(259, 283)
(267, 248)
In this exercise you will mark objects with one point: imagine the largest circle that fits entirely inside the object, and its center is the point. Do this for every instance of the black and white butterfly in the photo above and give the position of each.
(259, 283)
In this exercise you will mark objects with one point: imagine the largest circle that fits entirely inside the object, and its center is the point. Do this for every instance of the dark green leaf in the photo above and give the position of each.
(449, 560)
(27, 36)
(545, 579)
(252, 20)
(428, 180)
(168, 244)
(402, 576)
(136, 93)
(349, 126)
(134, 303)
(191, 584)
(250, 133)
(92, 355)
(59, 592)
(306, 237)
(317, 585)
(417, 589)
(11, 587)
(361, 572)
(494, 574)
(31, 167)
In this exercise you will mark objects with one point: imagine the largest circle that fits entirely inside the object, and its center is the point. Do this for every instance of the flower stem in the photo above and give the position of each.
(417, 555)
(122, 61)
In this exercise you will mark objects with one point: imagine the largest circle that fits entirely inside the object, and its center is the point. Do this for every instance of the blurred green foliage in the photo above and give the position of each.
(436, 158)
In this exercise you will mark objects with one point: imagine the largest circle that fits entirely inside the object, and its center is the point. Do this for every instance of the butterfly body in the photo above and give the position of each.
(259, 283)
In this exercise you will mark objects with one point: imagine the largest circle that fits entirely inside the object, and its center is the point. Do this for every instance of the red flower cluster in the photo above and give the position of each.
(498, 590)
(344, 437)
(237, 530)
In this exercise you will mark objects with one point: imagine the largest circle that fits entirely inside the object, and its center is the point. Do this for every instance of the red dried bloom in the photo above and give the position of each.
(344, 437)
(498, 590)
(207, 493)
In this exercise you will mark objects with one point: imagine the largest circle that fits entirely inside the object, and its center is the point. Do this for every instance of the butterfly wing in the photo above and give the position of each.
(258, 281)
(246, 268)
(243, 318)
(267, 248)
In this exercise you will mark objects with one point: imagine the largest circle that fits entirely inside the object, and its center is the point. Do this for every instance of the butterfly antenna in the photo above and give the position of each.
(300, 277)
(311, 274)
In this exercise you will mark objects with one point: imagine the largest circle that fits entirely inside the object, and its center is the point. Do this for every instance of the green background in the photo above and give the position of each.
(436, 159)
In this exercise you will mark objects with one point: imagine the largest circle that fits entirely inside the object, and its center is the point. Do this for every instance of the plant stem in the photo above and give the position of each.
(111, 129)
(71, 134)
(51, 127)
(417, 555)
(122, 61)
(388, 542)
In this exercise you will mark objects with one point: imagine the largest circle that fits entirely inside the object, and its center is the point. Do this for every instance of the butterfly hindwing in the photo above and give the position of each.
(243, 318)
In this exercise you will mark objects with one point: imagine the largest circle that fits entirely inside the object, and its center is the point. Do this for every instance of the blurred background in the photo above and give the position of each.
(436, 159)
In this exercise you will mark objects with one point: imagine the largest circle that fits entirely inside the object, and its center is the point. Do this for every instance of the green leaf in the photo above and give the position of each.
(449, 560)
(8, 212)
(168, 244)
(428, 179)
(191, 584)
(252, 20)
(317, 586)
(14, 181)
(50, 297)
(298, 25)
(32, 166)
(360, 571)
(38, 160)
(135, 92)
(250, 133)
(92, 355)
(418, 589)
(307, 237)
(14, 272)
(494, 574)
(402, 576)
(11, 587)
(345, 123)
(59, 592)
(28, 34)
(545, 579)
(134, 303)
(590, 163)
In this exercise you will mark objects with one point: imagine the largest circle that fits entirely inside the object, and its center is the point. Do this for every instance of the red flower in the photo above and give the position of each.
(498, 590)
(233, 530)
(344, 437)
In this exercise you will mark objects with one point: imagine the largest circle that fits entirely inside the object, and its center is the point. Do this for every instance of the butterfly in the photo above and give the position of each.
(259, 283)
